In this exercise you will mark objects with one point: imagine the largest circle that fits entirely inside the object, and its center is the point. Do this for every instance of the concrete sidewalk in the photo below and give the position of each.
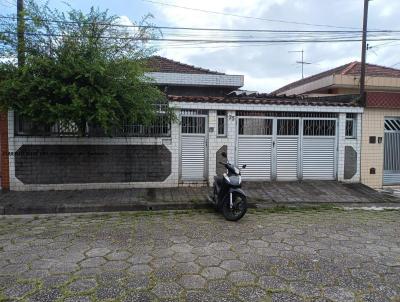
(261, 195)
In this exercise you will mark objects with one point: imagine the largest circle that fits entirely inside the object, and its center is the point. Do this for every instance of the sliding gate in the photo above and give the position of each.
(287, 148)
(391, 166)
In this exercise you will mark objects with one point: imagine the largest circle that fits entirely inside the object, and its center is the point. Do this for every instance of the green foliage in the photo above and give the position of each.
(81, 69)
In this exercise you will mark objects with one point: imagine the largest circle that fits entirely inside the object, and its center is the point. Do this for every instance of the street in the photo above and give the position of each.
(309, 255)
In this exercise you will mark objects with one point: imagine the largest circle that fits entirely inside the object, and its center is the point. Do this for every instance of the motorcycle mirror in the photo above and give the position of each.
(223, 154)
(244, 166)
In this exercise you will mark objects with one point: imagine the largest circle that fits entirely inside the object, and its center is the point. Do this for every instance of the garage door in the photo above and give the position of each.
(255, 147)
(318, 149)
(287, 148)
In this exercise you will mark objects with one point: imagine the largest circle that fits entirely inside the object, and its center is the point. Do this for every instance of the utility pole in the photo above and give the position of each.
(20, 33)
(364, 50)
(302, 62)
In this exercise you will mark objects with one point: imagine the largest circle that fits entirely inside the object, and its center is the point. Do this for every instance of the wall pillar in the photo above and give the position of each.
(5, 170)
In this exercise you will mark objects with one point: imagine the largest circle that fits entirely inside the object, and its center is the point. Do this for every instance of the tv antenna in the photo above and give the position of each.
(302, 62)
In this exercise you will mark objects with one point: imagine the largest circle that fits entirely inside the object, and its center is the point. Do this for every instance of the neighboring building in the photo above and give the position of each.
(380, 161)
(279, 138)
(182, 79)
(345, 80)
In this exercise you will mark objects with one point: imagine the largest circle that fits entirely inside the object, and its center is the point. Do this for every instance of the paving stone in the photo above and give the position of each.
(141, 296)
(82, 285)
(46, 295)
(286, 297)
(250, 293)
(187, 268)
(54, 281)
(339, 294)
(213, 272)
(18, 290)
(167, 290)
(232, 265)
(192, 281)
(208, 260)
(110, 292)
(272, 283)
(241, 277)
(97, 252)
(93, 262)
(136, 282)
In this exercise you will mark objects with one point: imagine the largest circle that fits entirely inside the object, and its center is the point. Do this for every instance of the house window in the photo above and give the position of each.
(351, 125)
(221, 123)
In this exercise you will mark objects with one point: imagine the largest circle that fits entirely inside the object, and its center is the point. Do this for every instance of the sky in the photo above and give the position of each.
(265, 67)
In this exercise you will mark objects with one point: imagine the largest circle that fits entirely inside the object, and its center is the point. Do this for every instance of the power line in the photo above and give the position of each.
(248, 17)
(326, 40)
(202, 28)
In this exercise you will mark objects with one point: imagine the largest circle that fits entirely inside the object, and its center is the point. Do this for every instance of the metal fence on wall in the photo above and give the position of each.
(161, 127)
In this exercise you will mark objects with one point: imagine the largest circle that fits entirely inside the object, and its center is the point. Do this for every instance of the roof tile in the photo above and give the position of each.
(161, 64)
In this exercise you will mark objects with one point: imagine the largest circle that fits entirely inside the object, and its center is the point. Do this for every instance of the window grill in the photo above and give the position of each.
(288, 127)
(193, 124)
(350, 128)
(319, 127)
(392, 124)
(161, 127)
(255, 126)
(221, 123)
(287, 114)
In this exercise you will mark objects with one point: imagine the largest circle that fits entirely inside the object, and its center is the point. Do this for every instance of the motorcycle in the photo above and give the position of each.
(227, 196)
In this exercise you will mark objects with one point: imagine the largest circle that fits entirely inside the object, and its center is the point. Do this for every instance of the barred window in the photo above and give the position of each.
(255, 126)
(319, 127)
(350, 126)
(288, 127)
(221, 123)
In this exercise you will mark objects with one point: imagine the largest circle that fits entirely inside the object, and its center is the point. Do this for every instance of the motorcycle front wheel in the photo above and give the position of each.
(239, 207)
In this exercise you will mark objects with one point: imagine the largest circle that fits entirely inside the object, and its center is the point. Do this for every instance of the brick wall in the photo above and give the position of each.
(4, 163)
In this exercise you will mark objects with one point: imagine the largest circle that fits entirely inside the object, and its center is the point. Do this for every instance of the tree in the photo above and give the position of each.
(79, 68)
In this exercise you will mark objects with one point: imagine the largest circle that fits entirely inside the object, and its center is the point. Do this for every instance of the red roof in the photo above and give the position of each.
(353, 68)
(161, 64)
(267, 99)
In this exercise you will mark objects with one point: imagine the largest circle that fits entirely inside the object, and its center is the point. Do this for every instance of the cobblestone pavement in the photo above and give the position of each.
(309, 255)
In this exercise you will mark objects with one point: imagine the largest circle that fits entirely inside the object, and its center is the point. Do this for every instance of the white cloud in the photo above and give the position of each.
(268, 67)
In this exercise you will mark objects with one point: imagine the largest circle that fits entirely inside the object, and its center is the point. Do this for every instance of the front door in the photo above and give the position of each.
(391, 166)
(193, 147)
(287, 148)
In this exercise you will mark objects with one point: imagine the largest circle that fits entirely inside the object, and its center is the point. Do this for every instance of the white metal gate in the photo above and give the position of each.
(319, 149)
(193, 147)
(391, 166)
(255, 147)
(287, 148)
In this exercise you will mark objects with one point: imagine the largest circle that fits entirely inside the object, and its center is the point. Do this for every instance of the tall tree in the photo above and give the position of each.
(80, 68)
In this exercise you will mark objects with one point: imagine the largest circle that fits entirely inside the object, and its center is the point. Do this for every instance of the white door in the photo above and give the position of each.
(287, 148)
(319, 149)
(193, 148)
(255, 147)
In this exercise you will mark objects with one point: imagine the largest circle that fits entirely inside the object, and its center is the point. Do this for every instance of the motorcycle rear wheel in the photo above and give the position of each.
(239, 207)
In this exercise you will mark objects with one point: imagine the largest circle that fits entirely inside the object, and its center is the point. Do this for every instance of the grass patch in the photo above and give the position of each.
(299, 208)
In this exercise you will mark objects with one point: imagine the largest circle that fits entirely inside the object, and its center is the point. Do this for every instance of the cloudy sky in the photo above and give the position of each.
(266, 67)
